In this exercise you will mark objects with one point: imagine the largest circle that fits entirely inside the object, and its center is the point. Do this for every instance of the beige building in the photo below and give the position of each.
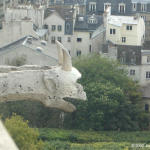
(60, 27)
(141, 72)
(125, 30)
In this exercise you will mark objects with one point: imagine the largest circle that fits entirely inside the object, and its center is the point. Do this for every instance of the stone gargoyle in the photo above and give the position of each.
(49, 85)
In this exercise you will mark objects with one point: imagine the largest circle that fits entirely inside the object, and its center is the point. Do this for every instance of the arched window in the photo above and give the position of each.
(67, 26)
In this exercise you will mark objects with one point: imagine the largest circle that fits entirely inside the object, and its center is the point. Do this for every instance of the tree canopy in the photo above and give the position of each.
(112, 97)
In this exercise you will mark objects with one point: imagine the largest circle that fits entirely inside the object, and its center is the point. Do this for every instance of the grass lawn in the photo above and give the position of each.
(60, 139)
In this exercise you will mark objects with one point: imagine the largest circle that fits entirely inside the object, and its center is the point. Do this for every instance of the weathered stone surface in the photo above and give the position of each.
(48, 85)
(6, 142)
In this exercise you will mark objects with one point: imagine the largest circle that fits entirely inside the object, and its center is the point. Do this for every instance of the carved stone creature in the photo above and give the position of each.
(48, 85)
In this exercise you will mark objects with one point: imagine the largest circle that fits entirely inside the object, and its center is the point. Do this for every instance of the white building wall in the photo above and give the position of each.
(18, 13)
(31, 57)
(133, 37)
(140, 74)
(55, 19)
(98, 41)
(137, 69)
(13, 31)
(85, 43)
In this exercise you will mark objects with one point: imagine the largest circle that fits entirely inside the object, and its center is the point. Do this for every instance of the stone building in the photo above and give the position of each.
(20, 12)
(123, 7)
(14, 30)
(125, 30)
(60, 24)
(28, 51)
(84, 28)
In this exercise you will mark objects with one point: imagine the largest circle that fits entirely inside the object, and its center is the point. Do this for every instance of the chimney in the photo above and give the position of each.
(4, 6)
(137, 16)
(106, 14)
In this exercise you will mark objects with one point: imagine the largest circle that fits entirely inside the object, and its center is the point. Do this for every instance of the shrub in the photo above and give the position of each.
(25, 137)
(57, 145)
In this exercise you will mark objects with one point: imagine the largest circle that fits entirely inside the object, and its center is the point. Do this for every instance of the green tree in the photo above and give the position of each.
(25, 137)
(112, 98)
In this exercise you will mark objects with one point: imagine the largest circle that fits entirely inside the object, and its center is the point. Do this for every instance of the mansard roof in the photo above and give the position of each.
(141, 1)
(83, 24)
(64, 13)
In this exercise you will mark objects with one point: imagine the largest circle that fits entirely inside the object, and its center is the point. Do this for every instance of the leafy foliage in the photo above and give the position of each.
(112, 97)
(36, 113)
(59, 139)
(25, 137)
(52, 134)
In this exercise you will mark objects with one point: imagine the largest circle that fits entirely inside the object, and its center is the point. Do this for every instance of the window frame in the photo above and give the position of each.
(59, 27)
(59, 39)
(92, 6)
(143, 7)
(122, 8)
(106, 5)
(146, 108)
(53, 28)
(69, 39)
(53, 39)
(132, 72)
(134, 6)
(79, 40)
(124, 39)
(78, 52)
(112, 31)
(147, 74)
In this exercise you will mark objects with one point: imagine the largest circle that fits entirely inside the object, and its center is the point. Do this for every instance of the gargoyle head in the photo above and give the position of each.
(63, 81)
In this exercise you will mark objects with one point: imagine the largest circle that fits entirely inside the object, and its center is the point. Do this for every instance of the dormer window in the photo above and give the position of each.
(121, 8)
(92, 6)
(148, 59)
(92, 20)
(67, 26)
(134, 6)
(106, 5)
(143, 7)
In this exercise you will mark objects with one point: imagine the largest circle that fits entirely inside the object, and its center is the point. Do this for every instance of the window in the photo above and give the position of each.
(146, 107)
(45, 26)
(53, 27)
(53, 39)
(143, 7)
(92, 6)
(67, 26)
(106, 5)
(59, 28)
(92, 21)
(78, 52)
(144, 18)
(121, 8)
(90, 35)
(112, 31)
(59, 39)
(148, 75)
(90, 48)
(134, 6)
(69, 39)
(123, 39)
(132, 72)
(52, 1)
(79, 39)
(148, 59)
(129, 27)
